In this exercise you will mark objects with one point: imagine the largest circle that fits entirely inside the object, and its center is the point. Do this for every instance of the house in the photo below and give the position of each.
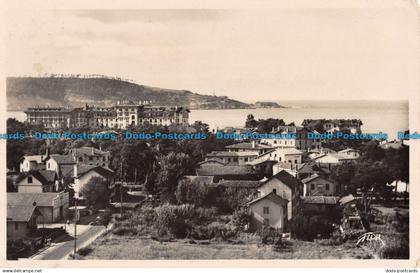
(316, 185)
(83, 173)
(63, 165)
(320, 204)
(32, 162)
(292, 137)
(53, 206)
(331, 126)
(37, 182)
(330, 159)
(334, 125)
(297, 170)
(91, 156)
(269, 210)
(21, 221)
(391, 144)
(290, 155)
(249, 147)
(349, 154)
(243, 172)
(232, 158)
(211, 162)
(287, 187)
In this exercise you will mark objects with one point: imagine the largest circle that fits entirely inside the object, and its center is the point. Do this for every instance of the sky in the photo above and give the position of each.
(246, 54)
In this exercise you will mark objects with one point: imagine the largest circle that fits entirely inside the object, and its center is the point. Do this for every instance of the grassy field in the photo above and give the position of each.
(125, 246)
(133, 248)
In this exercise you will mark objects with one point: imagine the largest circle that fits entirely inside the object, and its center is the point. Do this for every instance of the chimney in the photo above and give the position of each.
(253, 143)
(93, 150)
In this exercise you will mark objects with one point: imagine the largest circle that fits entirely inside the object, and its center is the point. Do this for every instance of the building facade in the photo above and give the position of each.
(122, 115)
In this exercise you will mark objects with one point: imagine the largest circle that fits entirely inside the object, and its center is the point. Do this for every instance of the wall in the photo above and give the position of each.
(320, 187)
(275, 216)
(13, 234)
(34, 187)
(282, 190)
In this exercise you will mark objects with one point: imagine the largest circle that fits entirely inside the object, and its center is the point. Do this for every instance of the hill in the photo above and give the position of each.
(76, 91)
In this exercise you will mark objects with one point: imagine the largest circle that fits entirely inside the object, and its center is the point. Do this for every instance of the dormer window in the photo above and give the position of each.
(29, 179)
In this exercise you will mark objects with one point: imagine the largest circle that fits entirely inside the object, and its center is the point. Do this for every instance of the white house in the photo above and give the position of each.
(287, 187)
(269, 210)
(316, 185)
(63, 165)
(91, 156)
(349, 154)
(32, 162)
(37, 182)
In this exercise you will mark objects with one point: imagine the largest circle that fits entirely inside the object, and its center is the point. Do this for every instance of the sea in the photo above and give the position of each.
(377, 116)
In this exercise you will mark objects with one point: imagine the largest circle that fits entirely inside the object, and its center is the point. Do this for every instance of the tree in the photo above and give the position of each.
(198, 193)
(251, 122)
(370, 178)
(172, 167)
(343, 174)
(267, 125)
(96, 192)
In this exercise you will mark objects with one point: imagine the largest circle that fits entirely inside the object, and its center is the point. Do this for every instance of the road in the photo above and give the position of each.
(59, 251)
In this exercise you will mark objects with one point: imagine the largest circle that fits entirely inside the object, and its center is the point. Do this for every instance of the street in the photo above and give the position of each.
(85, 235)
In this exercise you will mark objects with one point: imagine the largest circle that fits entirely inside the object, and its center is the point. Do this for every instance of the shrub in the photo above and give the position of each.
(195, 192)
(84, 251)
(215, 230)
(241, 218)
(268, 235)
(177, 220)
(308, 228)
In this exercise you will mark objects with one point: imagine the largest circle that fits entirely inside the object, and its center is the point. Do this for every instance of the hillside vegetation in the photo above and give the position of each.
(74, 91)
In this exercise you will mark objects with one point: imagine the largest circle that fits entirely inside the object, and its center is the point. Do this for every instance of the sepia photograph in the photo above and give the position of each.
(209, 134)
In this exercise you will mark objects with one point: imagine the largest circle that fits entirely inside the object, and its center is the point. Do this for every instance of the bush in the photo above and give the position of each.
(84, 251)
(308, 228)
(198, 193)
(268, 235)
(215, 230)
(178, 220)
(241, 218)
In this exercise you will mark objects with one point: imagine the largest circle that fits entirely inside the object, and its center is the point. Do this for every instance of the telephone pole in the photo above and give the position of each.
(75, 228)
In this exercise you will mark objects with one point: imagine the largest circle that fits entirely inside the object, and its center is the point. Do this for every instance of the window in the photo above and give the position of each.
(266, 210)
(312, 186)
(80, 160)
(295, 161)
(327, 187)
(246, 159)
(16, 225)
(274, 191)
(29, 179)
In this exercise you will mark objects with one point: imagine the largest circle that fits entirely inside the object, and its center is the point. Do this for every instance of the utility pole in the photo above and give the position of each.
(75, 228)
(121, 200)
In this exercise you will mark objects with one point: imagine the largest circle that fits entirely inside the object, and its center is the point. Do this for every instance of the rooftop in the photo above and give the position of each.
(328, 200)
(19, 213)
(229, 154)
(272, 197)
(248, 146)
(44, 199)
